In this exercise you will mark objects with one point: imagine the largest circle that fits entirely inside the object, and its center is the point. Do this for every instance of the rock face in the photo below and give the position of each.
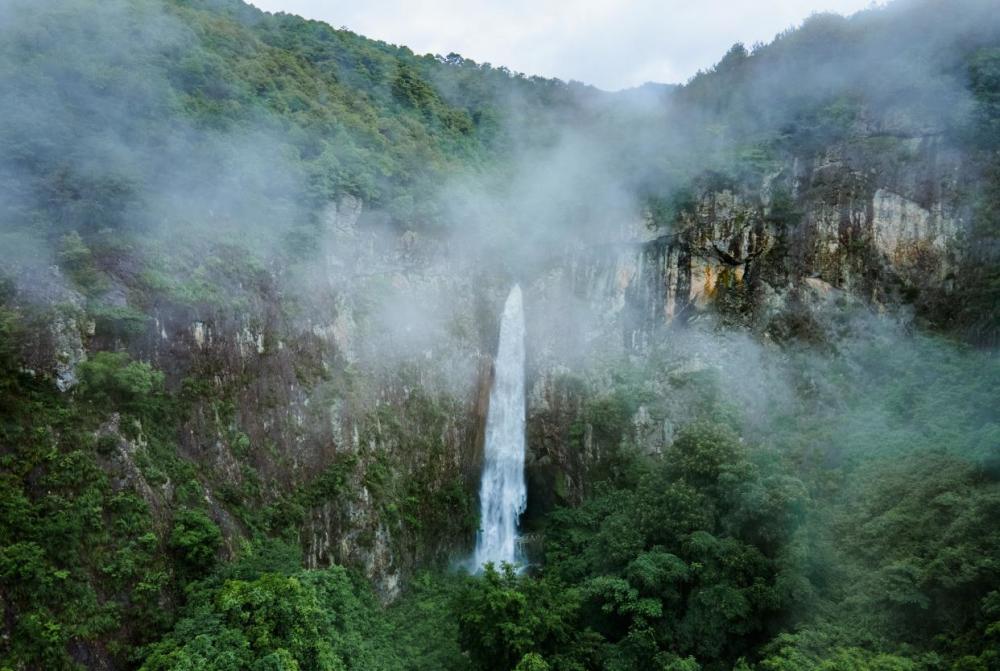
(877, 223)
(760, 254)
(331, 392)
(354, 391)
(887, 234)
(55, 314)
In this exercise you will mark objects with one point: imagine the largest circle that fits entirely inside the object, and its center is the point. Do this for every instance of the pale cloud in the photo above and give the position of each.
(602, 42)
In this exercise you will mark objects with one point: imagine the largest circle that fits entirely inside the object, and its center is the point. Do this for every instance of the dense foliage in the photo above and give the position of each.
(859, 536)
(171, 98)
(175, 155)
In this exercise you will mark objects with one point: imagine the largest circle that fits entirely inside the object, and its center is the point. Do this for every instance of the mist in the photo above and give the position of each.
(590, 173)
(252, 271)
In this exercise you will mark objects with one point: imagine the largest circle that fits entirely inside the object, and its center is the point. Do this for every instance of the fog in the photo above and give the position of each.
(571, 182)
(252, 272)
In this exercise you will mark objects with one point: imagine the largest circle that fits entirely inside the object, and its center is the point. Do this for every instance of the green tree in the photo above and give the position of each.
(196, 540)
(111, 380)
(308, 621)
(505, 619)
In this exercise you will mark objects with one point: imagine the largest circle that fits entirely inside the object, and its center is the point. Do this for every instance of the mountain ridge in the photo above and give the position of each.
(251, 270)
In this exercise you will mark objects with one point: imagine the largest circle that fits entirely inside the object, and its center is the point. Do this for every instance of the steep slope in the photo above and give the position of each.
(253, 268)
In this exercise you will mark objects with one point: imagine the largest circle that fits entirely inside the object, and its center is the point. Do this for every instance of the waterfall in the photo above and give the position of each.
(502, 492)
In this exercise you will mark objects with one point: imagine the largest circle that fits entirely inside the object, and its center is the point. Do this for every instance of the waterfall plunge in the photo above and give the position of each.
(502, 492)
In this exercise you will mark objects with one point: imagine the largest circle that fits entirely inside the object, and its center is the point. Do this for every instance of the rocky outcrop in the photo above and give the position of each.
(875, 224)
(349, 389)
(347, 395)
(880, 219)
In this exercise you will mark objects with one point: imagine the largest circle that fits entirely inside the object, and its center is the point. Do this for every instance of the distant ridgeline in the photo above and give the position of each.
(251, 268)
(108, 103)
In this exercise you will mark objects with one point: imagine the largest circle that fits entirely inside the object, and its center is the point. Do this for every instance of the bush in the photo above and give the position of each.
(196, 540)
(307, 621)
(112, 381)
(506, 620)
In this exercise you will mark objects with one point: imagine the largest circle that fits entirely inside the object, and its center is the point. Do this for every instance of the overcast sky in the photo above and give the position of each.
(611, 44)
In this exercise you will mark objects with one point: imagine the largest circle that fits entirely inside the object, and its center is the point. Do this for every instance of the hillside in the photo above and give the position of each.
(252, 270)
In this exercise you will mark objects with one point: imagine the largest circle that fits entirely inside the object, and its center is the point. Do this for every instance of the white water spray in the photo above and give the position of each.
(502, 492)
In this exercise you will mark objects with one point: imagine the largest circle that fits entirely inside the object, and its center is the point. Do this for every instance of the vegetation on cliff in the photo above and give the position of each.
(168, 167)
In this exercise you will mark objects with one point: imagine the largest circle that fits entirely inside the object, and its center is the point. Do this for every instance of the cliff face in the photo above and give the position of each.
(315, 402)
(333, 400)
(875, 224)
(878, 220)
(343, 403)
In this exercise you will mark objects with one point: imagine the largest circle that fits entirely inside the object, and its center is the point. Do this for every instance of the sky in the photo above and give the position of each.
(611, 44)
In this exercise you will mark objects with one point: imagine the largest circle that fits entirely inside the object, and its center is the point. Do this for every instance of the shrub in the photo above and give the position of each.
(195, 539)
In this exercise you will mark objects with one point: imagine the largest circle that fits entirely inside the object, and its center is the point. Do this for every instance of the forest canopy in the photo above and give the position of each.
(214, 222)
